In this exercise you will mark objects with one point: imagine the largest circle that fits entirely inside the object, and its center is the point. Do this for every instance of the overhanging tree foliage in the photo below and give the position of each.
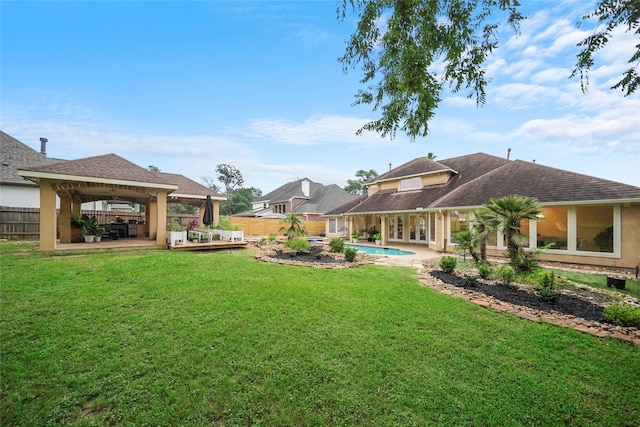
(425, 46)
(610, 15)
(411, 50)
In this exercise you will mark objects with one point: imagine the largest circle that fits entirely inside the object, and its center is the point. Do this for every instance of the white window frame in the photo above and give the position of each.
(572, 232)
(409, 184)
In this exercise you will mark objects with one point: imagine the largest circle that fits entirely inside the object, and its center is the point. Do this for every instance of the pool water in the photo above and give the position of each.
(377, 250)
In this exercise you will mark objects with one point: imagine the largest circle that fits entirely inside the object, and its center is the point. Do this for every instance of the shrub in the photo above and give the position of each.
(548, 289)
(298, 245)
(505, 273)
(350, 254)
(319, 255)
(471, 279)
(336, 245)
(623, 314)
(484, 269)
(448, 264)
(272, 238)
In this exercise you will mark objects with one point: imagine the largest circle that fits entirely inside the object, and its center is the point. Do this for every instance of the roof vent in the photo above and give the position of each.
(508, 153)
(43, 146)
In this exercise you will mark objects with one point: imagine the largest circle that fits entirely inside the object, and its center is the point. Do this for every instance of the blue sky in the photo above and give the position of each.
(185, 86)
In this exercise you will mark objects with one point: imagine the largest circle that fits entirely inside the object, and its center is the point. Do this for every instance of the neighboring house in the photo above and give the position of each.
(427, 202)
(303, 197)
(15, 191)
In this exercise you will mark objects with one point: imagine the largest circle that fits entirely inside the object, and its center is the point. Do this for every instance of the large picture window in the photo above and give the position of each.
(594, 228)
(553, 228)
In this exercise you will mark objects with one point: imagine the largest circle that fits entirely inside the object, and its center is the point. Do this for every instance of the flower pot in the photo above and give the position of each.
(378, 242)
(98, 238)
(614, 282)
(89, 239)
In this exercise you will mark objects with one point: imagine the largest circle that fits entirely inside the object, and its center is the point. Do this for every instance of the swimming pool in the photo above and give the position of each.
(377, 250)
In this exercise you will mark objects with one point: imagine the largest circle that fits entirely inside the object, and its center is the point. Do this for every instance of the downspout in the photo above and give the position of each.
(444, 237)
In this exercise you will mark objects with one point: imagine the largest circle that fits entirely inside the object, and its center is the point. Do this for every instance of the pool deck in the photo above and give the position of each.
(420, 254)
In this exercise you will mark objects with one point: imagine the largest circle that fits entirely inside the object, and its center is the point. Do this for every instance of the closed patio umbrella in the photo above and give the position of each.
(207, 217)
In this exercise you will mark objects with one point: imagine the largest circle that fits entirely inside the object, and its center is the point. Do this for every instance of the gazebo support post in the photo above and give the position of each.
(47, 216)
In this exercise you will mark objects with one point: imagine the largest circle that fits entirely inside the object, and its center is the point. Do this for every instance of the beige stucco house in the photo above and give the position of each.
(426, 202)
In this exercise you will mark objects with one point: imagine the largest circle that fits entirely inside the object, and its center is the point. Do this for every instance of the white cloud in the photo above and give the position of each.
(606, 132)
(324, 129)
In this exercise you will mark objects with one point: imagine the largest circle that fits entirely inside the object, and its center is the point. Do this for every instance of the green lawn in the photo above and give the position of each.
(217, 338)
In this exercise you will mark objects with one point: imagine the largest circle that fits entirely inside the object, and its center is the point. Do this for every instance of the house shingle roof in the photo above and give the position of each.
(419, 166)
(324, 198)
(321, 198)
(547, 184)
(477, 178)
(16, 155)
(289, 191)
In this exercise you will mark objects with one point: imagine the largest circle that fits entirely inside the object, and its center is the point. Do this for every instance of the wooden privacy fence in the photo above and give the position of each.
(19, 223)
(24, 223)
(263, 227)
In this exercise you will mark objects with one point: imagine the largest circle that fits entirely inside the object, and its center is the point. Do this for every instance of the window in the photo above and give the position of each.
(432, 227)
(333, 225)
(391, 228)
(553, 228)
(422, 229)
(459, 221)
(594, 226)
(411, 184)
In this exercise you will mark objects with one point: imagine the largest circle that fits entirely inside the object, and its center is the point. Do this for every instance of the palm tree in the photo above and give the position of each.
(509, 211)
(295, 225)
(483, 224)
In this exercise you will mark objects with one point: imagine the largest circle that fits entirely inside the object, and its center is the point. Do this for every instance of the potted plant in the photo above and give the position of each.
(88, 228)
(76, 227)
(176, 232)
(371, 232)
(96, 229)
(354, 236)
(378, 238)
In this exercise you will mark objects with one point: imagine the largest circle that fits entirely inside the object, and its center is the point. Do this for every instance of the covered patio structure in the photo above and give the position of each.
(108, 177)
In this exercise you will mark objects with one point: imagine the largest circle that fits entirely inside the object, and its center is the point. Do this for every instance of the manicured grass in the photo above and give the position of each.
(217, 338)
(632, 287)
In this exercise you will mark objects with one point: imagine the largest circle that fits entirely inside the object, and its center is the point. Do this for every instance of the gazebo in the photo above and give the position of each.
(109, 177)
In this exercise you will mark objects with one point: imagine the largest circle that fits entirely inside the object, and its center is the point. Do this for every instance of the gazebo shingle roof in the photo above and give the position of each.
(107, 166)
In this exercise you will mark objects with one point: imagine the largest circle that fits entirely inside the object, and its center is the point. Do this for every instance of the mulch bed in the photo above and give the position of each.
(579, 302)
(317, 257)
